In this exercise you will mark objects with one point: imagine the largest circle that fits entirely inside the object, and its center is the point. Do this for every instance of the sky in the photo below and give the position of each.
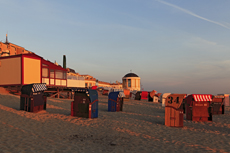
(174, 46)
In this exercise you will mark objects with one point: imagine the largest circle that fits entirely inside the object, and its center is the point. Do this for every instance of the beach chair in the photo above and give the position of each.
(155, 99)
(115, 101)
(150, 99)
(144, 95)
(105, 92)
(226, 99)
(138, 95)
(216, 105)
(163, 98)
(133, 95)
(127, 94)
(174, 116)
(151, 94)
(197, 107)
(32, 97)
(85, 103)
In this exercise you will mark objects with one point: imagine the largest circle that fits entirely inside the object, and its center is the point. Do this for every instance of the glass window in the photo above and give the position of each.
(90, 84)
(124, 83)
(86, 84)
(129, 82)
(58, 74)
(51, 73)
(45, 72)
(64, 75)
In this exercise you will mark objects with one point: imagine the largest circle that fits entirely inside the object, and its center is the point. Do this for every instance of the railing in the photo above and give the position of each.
(75, 77)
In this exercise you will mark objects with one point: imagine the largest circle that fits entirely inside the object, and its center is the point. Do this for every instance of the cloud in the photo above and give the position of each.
(193, 14)
(205, 42)
(201, 43)
(213, 66)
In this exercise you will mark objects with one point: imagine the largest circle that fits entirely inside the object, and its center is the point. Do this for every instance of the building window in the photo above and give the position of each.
(90, 84)
(124, 83)
(58, 74)
(129, 82)
(45, 72)
(51, 73)
(64, 75)
(86, 84)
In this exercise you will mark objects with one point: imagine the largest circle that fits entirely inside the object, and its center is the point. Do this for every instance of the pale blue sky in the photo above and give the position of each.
(175, 46)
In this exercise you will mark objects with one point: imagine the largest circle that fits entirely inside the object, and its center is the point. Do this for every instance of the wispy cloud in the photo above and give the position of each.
(193, 14)
(198, 42)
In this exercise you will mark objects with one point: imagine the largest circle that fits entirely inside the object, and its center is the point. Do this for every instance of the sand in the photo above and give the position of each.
(139, 128)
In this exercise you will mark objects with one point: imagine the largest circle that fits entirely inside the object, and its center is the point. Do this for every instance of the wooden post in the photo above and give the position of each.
(58, 95)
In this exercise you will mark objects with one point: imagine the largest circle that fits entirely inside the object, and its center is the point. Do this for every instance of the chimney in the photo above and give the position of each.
(64, 62)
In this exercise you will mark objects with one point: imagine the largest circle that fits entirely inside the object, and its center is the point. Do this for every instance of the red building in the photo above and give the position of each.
(30, 68)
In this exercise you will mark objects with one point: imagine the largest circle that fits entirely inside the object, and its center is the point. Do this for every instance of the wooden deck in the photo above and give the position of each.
(52, 91)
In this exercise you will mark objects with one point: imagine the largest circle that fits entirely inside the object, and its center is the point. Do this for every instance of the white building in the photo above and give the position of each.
(131, 81)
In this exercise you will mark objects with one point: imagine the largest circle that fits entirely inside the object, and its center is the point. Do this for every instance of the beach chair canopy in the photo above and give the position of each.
(115, 95)
(32, 88)
(153, 93)
(174, 100)
(94, 87)
(92, 94)
(200, 97)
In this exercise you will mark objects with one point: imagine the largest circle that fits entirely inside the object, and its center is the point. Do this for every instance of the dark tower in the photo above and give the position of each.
(64, 62)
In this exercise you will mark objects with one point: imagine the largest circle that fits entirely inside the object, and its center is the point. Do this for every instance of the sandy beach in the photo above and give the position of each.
(139, 128)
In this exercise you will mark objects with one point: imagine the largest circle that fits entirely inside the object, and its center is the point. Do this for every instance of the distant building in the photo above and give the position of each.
(74, 79)
(89, 80)
(71, 70)
(131, 81)
(103, 84)
(8, 49)
(116, 85)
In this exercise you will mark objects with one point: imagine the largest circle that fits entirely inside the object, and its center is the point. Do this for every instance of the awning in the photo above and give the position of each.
(202, 97)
